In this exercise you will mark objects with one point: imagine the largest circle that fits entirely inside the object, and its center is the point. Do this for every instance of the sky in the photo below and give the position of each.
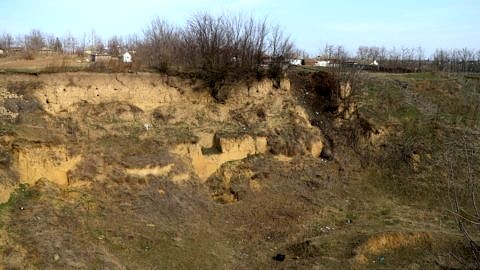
(311, 24)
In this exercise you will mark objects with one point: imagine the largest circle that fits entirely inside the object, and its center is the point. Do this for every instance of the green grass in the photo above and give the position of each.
(6, 128)
(422, 76)
(407, 113)
(431, 114)
(19, 196)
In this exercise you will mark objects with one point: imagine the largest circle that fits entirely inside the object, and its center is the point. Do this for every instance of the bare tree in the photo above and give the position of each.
(420, 56)
(280, 46)
(49, 40)
(96, 42)
(132, 42)
(82, 44)
(69, 43)
(19, 41)
(35, 40)
(114, 45)
(463, 191)
(161, 46)
(6, 41)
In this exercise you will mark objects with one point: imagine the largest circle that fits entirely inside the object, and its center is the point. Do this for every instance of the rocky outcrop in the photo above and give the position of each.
(225, 149)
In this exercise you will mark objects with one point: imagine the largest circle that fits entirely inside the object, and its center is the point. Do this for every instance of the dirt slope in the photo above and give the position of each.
(147, 171)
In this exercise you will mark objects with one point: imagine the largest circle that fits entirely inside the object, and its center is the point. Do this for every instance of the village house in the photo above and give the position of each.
(327, 63)
(2, 52)
(127, 57)
(296, 62)
(309, 62)
(322, 63)
(45, 51)
(14, 50)
(100, 57)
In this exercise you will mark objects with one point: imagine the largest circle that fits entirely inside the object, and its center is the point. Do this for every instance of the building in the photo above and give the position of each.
(127, 57)
(45, 51)
(100, 57)
(296, 62)
(322, 63)
(331, 63)
(2, 52)
(309, 62)
(14, 50)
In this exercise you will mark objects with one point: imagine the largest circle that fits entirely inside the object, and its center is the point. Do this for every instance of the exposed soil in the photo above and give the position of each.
(147, 171)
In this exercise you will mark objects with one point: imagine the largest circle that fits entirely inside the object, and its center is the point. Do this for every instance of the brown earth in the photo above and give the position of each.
(147, 171)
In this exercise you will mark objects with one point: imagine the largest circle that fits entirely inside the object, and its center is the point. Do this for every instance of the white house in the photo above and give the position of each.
(322, 63)
(374, 63)
(295, 62)
(127, 57)
(1, 52)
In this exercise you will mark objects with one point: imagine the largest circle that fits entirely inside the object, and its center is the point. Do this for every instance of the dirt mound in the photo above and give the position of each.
(229, 185)
(296, 140)
(390, 241)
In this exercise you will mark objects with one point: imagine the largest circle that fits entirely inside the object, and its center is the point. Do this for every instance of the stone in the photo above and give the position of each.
(260, 145)
(316, 148)
(279, 257)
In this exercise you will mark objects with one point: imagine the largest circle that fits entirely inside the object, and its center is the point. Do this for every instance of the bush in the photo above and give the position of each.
(28, 55)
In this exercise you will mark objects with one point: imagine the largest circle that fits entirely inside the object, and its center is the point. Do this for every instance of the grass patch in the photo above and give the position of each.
(431, 114)
(18, 197)
(422, 76)
(408, 113)
(6, 129)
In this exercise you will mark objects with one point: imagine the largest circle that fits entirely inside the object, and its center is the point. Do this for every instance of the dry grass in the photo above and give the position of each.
(313, 211)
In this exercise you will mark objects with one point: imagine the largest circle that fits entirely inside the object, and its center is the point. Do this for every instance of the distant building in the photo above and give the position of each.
(374, 63)
(296, 62)
(14, 50)
(331, 63)
(322, 63)
(100, 57)
(1, 51)
(127, 57)
(45, 51)
(350, 64)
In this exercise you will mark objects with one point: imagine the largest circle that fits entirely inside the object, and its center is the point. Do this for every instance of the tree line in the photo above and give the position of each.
(407, 59)
(67, 44)
(219, 48)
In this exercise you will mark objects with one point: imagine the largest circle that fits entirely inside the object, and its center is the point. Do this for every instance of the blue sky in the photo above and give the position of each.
(311, 24)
